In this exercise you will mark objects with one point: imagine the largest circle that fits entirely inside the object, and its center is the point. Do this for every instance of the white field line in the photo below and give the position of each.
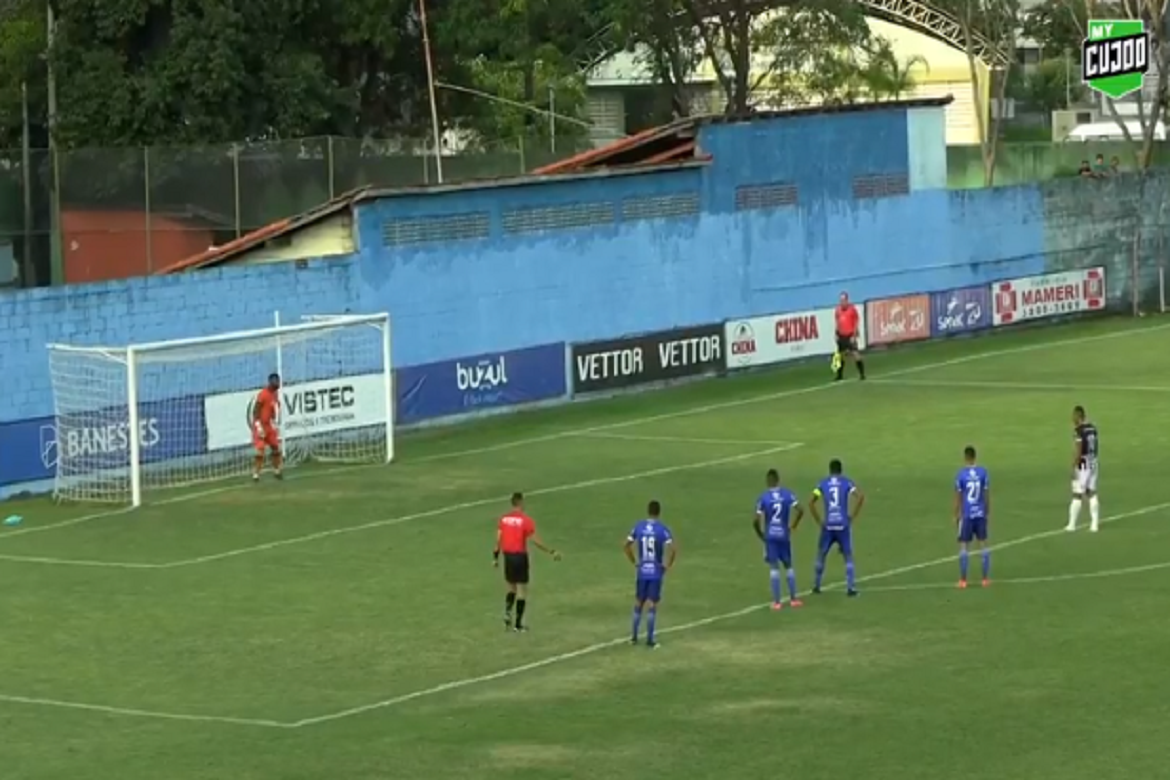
(703, 409)
(1023, 386)
(132, 712)
(1085, 575)
(479, 502)
(595, 648)
(467, 682)
(674, 439)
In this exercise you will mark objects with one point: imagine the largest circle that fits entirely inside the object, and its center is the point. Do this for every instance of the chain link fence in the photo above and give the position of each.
(133, 211)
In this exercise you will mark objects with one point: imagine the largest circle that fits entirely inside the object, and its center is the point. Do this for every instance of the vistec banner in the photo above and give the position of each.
(762, 341)
(1048, 295)
(655, 357)
(306, 408)
(488, 381)
(960, 311)
(894, 320)
(100, 439)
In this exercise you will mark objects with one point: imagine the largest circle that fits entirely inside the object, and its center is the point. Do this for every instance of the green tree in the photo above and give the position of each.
(888, 77)
(1051, 85)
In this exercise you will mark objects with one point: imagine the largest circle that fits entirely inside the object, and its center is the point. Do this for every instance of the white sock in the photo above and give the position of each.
(1094, 511)
(1074, 512)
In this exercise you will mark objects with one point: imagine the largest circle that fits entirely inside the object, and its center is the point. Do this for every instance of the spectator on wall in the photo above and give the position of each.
(1114, 165)
(1085, 171)
(1099, 168)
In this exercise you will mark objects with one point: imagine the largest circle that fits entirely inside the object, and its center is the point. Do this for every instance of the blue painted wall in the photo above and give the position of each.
(649, 251)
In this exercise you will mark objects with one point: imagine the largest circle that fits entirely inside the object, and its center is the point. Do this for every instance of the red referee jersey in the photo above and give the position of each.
(515, 528)
(847, 319)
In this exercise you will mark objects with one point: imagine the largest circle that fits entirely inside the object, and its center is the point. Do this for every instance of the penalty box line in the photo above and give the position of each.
(596, 648)
(1039, 386)
(694, 410)
(398, 520)
(513, 671)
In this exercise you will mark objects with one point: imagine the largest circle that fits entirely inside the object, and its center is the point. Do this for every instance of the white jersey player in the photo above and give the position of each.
(1086, 449)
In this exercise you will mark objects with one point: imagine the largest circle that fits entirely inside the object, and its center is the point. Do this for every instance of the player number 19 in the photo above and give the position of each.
(648, 548)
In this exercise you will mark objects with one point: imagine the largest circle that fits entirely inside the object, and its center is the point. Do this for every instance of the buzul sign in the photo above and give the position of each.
(655, 357)
(762, 341)
(1048, 295)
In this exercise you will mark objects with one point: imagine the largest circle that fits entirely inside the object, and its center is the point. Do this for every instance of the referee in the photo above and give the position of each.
(513, 533)
(848, 320)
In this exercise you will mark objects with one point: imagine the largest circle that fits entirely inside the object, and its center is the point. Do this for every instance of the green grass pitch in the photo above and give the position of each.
(346, 623)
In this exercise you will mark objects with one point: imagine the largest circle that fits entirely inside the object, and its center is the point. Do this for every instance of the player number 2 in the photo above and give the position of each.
(973, 489)
(649, 548)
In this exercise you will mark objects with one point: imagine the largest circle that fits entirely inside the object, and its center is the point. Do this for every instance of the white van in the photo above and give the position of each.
(1111, 131)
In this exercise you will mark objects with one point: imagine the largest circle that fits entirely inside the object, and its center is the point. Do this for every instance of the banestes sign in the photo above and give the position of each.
(1048, 295)
(761, 341)
(655, 357)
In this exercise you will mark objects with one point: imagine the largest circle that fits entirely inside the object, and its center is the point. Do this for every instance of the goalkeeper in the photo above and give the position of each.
(264, 413)
(848, 321)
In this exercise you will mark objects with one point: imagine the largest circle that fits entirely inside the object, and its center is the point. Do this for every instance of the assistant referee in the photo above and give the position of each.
(513, 533)
(848, 321)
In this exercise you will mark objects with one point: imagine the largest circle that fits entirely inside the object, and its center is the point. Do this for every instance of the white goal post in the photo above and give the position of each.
(170, 414)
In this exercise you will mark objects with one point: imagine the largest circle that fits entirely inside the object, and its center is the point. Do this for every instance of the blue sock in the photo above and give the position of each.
(792, 583)
(986, 563)
(963, 561)
(651, 617)
(849, 574)
(820, 572)
(775, 577)
(637, 619)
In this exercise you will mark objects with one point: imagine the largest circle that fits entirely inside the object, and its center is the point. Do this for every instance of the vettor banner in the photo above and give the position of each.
(100, 439)
(1049, 295)
(480, 382)
(960, 311)
(762, 341)
(893, 320)
(306, 409)
(654, 357)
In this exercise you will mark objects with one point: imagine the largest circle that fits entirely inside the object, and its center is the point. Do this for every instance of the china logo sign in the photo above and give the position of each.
(742, 339)
(893, 320)
(1049, 295)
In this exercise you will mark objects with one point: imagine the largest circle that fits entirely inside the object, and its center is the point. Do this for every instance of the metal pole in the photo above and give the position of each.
(1067, 78)
(56, 261)
(146, 208)
(28, 277)
(1162, 288)
(552, 119)
(236, 185)
(422, 13)
(329, 163)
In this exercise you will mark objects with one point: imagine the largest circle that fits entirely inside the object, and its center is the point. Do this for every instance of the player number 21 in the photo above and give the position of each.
(973, 488)
(648, 548)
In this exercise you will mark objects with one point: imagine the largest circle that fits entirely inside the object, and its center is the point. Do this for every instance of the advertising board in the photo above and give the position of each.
(894, 320)
(653, 357)
(100, 439)
(776, 338)
(1048, 295)
(962, 310)
(489, 381)
(305, 409)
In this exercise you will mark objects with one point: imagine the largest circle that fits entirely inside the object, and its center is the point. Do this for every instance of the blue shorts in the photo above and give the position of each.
(973, 528)
(778, 551)
(648, 589)
(843, 540)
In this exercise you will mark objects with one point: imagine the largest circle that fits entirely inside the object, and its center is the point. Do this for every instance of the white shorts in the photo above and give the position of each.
(1085, 480)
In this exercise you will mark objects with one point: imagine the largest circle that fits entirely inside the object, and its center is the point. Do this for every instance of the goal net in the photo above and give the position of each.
(176, 413)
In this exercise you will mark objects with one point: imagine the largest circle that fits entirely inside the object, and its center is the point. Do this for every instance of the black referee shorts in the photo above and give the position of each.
(846, 343)
(516, 568)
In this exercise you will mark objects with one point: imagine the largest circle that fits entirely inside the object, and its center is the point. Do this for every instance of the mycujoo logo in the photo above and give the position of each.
(1115, 56)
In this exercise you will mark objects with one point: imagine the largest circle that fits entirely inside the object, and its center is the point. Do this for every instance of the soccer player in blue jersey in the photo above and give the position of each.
(777, 515)
(843, 501)
(972, 512)
(650, 547)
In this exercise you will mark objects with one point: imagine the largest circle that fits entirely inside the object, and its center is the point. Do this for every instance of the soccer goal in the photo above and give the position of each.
(171, 414)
